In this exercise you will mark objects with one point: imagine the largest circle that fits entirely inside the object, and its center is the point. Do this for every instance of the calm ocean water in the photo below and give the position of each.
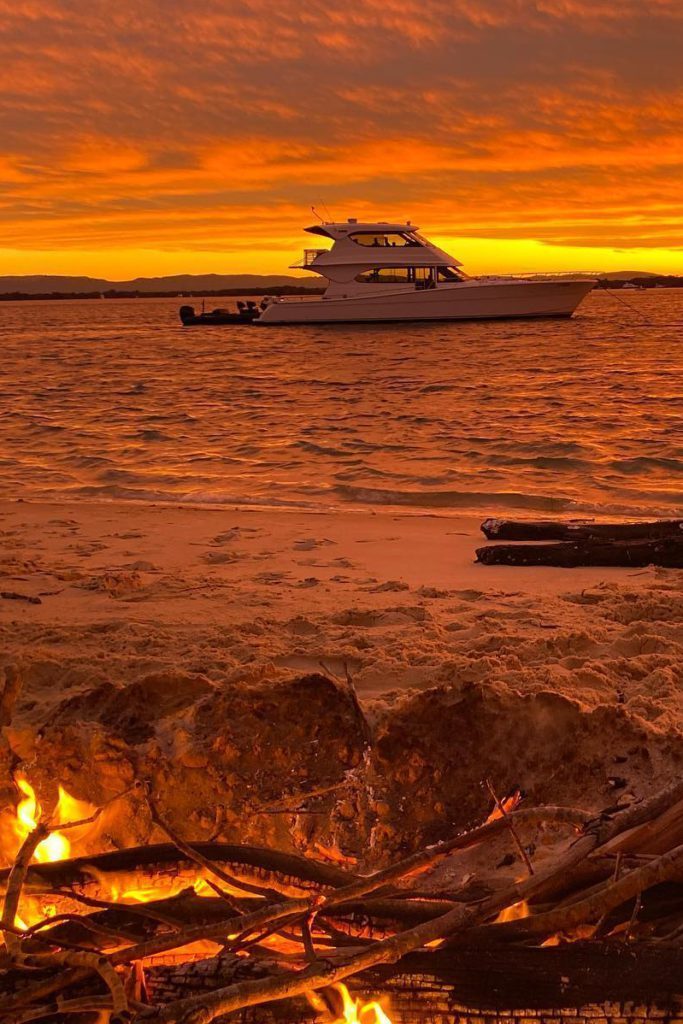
(115, 400)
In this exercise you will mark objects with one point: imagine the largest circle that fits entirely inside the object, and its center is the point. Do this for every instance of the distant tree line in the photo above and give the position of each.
(654, 281)
(114, 294)
(651, 281)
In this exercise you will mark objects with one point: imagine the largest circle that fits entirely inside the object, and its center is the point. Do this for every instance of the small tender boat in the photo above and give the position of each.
(245, 313)
(381, 272)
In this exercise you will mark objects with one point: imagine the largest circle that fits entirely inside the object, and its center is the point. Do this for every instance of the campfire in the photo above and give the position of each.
(185, 933)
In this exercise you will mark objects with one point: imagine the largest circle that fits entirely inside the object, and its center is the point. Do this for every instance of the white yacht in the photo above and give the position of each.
(384, 272)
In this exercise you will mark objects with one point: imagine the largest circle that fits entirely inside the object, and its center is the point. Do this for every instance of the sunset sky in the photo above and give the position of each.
(142, 138)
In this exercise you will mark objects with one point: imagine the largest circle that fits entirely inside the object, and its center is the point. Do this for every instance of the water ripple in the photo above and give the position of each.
(113, 399)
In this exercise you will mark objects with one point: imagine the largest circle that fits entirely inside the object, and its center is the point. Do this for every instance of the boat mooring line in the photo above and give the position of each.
(634, 309)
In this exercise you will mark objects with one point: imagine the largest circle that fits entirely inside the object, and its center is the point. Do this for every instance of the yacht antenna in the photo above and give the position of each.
(316, 214)
(322, 203)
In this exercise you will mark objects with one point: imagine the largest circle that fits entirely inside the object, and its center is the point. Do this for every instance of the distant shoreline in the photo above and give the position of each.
(636, 282)
(114, 294)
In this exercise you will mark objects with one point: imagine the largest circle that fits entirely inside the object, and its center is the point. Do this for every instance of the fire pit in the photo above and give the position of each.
(191, 932)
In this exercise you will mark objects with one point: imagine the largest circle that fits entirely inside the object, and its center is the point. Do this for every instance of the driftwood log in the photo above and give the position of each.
(580, 530)
(666, 552)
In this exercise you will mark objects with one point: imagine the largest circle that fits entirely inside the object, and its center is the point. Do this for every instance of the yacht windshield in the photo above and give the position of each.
(381, 239)
(449, 274)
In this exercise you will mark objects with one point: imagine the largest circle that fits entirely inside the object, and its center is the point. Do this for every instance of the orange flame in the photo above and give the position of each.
(514, 912)
(507, 804)
(353, 1011)
(57, 846)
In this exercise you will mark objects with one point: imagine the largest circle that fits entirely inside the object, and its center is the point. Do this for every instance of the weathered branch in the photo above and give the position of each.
(205, 1008)
(564, 919)
(16, 880)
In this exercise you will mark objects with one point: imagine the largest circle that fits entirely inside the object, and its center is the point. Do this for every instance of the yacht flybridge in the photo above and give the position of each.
(381, 272)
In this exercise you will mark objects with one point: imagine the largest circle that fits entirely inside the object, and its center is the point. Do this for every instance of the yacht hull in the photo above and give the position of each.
(469, 300)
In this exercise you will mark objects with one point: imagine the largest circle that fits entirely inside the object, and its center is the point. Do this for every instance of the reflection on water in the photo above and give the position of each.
(113, 399)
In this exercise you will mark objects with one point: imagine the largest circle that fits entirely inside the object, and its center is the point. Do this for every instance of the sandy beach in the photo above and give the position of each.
(180, 642)
(300, 588)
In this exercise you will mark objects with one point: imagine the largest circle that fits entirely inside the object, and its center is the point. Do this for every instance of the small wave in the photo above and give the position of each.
(644, 463)
(318, 449)
(152, 435)
(540, 462)
(453, 499)
(114, 492)
(436, 389)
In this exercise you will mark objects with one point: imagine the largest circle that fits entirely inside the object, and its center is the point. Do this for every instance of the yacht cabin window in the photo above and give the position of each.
(386, 275)
(421, 277)
(382, 239)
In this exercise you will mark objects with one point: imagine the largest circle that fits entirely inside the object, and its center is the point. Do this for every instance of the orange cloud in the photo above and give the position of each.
(203, 128)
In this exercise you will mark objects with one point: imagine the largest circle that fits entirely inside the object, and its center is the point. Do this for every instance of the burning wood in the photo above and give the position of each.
(266, 926)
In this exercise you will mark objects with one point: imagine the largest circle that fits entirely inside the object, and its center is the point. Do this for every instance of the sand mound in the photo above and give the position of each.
(433, 751)
(299, 764)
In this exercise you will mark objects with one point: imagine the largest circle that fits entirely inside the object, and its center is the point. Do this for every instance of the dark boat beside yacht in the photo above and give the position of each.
(245, 313)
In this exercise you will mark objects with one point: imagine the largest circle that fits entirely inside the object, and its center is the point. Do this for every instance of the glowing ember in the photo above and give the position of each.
(353, 1011)
(514, 912)
(334, 855)
(507, 804)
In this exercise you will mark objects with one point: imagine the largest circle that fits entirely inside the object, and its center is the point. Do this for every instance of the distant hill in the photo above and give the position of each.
(625, 275)
(49, 286)
(198, 284)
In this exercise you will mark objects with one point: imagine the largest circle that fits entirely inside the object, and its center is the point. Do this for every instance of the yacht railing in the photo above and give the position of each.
(310, 256)
(558, 275)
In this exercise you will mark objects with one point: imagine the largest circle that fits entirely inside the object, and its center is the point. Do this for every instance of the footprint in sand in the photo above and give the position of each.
(331, 665)
(309, 543)
(235, 533)
(301, 626)
(272, 578)
(87, 549)
(221, 557)
(226, 537)
(390, 587)
(433, 592)
(469, 595)
(398, 615)
(115, 583)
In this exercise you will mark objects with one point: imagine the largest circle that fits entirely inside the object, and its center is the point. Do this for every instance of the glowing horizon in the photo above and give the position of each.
(520, 134)
(478, 255)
